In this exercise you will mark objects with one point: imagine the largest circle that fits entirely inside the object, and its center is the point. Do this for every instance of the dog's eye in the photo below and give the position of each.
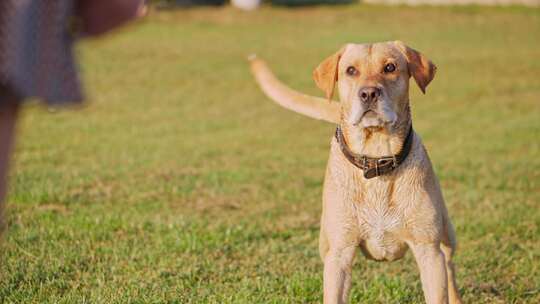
(352, 71)
(389, 68)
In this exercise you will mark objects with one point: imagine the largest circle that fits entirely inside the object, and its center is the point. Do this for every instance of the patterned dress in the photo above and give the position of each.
(36, 51)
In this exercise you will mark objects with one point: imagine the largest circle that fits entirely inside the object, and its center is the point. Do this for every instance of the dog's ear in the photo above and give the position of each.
(420, 68)
(326, 74)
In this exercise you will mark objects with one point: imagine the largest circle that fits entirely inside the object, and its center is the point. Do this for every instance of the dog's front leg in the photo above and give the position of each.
(430, 260)
(337, 274)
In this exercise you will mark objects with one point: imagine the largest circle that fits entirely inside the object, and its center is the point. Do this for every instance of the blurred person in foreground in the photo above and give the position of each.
(37, 60)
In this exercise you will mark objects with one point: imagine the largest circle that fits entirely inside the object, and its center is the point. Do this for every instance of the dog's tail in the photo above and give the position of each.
(310, 106)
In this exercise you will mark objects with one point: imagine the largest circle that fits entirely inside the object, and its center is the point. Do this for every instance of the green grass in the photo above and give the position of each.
(180, 182)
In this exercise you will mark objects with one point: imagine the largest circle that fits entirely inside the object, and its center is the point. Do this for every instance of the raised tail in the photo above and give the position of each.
(314, 107)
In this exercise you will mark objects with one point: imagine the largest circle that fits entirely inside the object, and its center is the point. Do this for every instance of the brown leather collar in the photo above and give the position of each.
(375, 166)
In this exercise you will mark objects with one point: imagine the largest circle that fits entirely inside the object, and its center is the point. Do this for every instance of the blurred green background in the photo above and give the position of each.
(179, 182)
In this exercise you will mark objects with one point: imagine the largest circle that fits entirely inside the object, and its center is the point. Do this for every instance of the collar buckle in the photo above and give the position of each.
(384, 161)
(365, 164)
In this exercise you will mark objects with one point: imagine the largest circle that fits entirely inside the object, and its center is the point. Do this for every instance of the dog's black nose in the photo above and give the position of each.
(369, 94)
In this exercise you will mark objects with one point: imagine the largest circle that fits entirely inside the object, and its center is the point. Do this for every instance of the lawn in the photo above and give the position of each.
(179, 182)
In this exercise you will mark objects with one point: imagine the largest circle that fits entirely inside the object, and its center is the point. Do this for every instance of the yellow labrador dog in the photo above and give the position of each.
(380, 192)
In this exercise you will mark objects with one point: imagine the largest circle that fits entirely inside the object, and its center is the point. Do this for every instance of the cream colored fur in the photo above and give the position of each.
(385, 215)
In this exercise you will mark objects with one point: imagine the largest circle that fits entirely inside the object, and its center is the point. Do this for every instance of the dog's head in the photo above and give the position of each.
(373, 81)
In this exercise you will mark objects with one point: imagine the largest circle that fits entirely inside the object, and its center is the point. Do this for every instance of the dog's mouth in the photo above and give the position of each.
(368, 115)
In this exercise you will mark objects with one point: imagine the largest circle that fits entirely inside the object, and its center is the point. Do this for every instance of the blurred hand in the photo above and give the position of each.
(100, 16)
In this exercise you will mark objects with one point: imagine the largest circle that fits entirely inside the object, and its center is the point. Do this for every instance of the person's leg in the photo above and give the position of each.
(9, 107)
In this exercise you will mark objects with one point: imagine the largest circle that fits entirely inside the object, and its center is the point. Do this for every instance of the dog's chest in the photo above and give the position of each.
(381, 220)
